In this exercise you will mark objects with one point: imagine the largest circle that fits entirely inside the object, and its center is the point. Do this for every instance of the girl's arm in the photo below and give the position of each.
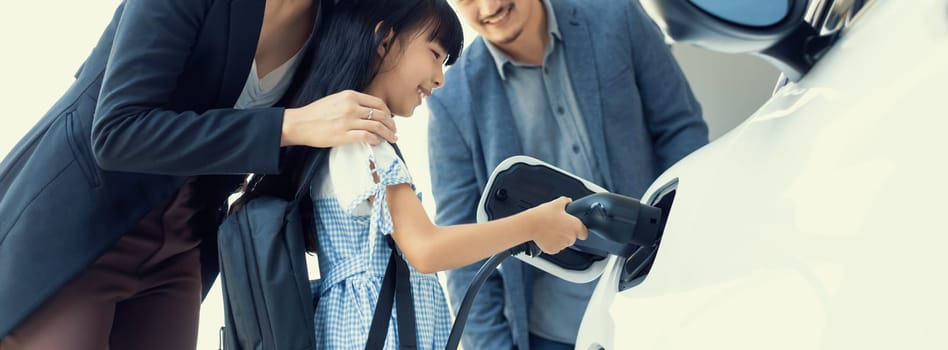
(430, 248)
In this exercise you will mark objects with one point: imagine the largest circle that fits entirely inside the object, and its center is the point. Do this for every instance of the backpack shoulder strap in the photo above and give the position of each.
(397, 284)
(314, 159)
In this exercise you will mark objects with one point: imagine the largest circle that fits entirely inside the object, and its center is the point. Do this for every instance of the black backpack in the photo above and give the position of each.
(268, 303)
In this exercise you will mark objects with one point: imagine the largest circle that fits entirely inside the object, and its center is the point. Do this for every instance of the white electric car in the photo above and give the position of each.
(821, 222)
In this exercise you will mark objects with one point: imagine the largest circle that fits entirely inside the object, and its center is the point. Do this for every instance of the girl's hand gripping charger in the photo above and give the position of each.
(617, 225)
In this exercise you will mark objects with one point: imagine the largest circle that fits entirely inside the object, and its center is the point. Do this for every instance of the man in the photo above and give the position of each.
(586, 85)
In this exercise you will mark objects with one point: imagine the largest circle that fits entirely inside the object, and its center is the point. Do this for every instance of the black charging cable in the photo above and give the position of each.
(489, 266)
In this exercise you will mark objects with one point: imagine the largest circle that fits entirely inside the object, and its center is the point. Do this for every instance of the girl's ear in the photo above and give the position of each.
(386, 43)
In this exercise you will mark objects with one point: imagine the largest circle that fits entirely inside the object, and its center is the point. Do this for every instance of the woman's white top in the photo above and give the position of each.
(266, 91)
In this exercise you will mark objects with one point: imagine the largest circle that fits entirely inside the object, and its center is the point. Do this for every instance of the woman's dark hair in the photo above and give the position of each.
(342, 56)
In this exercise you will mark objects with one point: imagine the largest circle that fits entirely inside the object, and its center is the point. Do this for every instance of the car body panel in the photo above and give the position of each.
(818, 223)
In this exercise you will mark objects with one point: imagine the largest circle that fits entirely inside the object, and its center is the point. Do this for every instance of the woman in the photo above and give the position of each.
(107, 203)
(394, 50)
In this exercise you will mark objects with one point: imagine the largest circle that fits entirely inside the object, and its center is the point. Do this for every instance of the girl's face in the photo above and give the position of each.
(410, 70)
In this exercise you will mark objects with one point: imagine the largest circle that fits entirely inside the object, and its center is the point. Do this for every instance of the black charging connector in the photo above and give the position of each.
(617, 225)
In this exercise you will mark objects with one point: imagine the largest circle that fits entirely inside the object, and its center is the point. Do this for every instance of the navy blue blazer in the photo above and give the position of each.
(639, 110)
(151, 106)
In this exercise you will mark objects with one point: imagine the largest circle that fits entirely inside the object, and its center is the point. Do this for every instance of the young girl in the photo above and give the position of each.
(395, 50)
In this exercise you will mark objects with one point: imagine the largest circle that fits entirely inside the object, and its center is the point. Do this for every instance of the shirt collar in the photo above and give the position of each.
(501, 59)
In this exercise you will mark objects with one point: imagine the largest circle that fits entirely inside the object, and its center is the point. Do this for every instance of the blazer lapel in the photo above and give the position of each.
(246, 18)
(581, 62)
(494, 119)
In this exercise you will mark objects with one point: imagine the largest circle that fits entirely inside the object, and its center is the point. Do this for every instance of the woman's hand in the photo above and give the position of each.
(340, 118)
(554, 228)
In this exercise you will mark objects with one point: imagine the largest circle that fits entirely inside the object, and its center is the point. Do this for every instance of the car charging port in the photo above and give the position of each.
(639, 263)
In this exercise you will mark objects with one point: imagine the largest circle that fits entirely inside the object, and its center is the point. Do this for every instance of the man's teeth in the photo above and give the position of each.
(496, 18)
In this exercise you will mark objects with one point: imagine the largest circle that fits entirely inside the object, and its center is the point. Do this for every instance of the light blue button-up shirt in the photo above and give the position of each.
(551, 128)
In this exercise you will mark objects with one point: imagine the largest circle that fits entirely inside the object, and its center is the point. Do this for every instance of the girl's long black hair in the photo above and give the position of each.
(342, 56)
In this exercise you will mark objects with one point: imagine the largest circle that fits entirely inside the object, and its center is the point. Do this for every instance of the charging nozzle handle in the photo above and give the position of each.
(530, 248)
(617, 224)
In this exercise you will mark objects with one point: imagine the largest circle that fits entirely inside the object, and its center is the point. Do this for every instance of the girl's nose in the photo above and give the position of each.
(438, 79)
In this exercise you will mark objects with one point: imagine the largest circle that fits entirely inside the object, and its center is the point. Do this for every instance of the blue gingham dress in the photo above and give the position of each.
(353, 252)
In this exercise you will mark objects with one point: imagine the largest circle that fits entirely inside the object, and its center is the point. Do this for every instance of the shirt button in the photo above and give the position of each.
(559, 109)
(546, 70)
(575, 148)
